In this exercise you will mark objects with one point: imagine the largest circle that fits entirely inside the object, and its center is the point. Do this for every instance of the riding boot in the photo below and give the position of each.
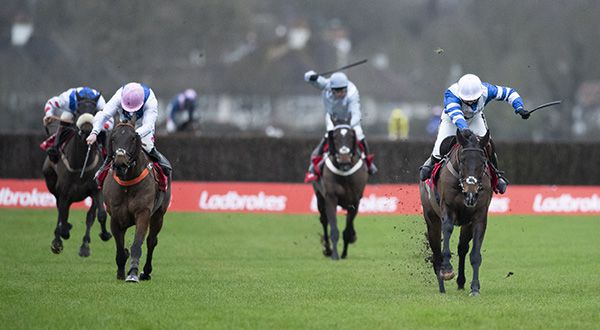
(427, 167)
(316, 157)
(368, 157)
(502, 181)
(162, 161)
(61, 133)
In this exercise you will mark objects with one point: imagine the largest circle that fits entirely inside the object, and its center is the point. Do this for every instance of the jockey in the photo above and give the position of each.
(340, 98)
(464, 102)
(133, 99)
(182, 103)
(64, 107)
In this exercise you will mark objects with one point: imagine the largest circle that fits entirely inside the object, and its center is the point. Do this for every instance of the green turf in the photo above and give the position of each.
(267, 272)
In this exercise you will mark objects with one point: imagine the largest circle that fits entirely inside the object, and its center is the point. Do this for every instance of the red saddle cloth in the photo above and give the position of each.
(432, 181)
(49, 142)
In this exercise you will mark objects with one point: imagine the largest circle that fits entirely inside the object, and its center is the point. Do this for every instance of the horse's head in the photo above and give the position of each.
(472, 165)
(124, 146)
(86, 102)
(342, 144)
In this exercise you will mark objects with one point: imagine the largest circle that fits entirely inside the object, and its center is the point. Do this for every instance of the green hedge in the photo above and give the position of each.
(286, 160)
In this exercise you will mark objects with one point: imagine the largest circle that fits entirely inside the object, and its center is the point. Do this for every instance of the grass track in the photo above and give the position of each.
(266, 271)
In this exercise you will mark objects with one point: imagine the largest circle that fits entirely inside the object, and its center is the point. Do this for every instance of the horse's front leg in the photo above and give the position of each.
(323, 220)
(84, 250)
(349, 232)
(466, 233)
(478, 234)
(142, 221)
(151, 242)
(446, 270)
(122, 253)
(62, 225)
(331, 211)
(104, 234)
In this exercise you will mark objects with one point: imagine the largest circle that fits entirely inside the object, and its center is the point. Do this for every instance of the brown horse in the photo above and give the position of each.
(342, 183)
(461, 197)
(71, 180)
(133, 198)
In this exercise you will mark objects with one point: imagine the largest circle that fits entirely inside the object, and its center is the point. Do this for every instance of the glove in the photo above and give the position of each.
(310, 76)
(466, 133)
(524, 113)
(91, 138)
(47, 120)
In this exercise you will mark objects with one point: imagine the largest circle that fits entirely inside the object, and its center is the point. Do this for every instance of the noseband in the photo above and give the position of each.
(470, 180)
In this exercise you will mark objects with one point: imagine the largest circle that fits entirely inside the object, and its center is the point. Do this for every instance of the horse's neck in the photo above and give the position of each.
(75, 151)
(141, 162)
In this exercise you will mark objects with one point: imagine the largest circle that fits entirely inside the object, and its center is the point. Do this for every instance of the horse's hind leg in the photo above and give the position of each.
(349, 232)
(466, 233)
(151, 242)
(104, 235)
(141, 229)
(84, 250)
(122, 253)
(446, 271)
(434, 236)
(323, 220)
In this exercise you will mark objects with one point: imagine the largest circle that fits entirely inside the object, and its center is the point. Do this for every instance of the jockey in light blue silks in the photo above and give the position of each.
(133, 99)
(464, 102)
(341, 100)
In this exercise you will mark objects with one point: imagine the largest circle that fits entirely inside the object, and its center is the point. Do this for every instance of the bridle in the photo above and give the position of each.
(470, 180)
(130, 160)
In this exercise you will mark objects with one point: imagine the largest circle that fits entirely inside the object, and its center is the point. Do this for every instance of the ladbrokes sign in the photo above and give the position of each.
(299, 198)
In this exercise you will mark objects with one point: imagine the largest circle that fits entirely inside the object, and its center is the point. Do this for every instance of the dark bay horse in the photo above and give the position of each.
(70, 181)
(342, 183)
(461, 197)
(133, 198)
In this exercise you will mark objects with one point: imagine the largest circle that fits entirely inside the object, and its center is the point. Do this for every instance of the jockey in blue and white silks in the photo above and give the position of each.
(342, 101)
(138, 101)
(64, 107)
(464, 102)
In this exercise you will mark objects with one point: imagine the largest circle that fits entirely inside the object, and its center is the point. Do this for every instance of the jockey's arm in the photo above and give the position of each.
(453, 109)
(320, 83)
(507, 94)
(354, 110)
(107, 113)
(150, 115)
(56, 105)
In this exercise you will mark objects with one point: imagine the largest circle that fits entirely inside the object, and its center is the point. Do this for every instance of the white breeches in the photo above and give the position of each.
(447, 128)
(148, 142)
(357, 128)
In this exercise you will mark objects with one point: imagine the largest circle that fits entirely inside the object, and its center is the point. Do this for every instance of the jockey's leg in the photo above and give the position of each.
(502, 181)
(61, 134)
(161, 160)
(447, 128)
(368, 157)
(427, 167)
(101, 140)
(103, 171)
(315, 158)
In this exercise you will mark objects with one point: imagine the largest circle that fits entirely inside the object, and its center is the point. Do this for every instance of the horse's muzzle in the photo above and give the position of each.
(471, 199)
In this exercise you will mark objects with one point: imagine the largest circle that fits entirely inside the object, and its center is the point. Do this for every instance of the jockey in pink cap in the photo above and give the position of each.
(133, 99)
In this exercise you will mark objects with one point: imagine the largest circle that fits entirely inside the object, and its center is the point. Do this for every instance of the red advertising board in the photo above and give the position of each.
(299, 198)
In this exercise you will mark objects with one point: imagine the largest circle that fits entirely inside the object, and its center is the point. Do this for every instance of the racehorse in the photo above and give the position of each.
(342, 183)
(461, 197)
(133, 198)
(71, 179)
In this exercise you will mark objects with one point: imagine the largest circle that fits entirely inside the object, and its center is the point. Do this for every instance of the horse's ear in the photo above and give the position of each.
(77, 96)
(133, 119)
(97, 98)
(483, 142)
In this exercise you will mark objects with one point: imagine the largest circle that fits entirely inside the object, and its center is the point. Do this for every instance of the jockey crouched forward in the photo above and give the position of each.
(133, 99)
(341, 100)
(464, 102)
(65, 107)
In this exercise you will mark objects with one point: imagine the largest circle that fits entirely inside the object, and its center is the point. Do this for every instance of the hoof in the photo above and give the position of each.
(145, 277)
(56, 247)
(132, 278)
(65, 234)
(327, 252)
(474, 294)
(105, 236)
(335, 257)
(353, 239)
(120, 275)
(84, 251)
(344, 255)
(447, 276)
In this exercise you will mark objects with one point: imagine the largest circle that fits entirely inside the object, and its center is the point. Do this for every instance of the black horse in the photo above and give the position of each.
(461, 197)
(134, 198)
(342, 183)
(71, 179)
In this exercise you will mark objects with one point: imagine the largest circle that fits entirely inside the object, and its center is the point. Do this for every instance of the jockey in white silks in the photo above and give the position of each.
(464, 102)
(64, 107)
(341, 100)
(133, 99)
